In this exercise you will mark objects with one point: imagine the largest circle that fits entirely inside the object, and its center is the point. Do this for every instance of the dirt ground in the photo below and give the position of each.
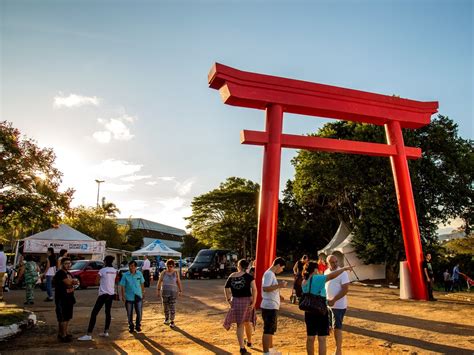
(377, 322)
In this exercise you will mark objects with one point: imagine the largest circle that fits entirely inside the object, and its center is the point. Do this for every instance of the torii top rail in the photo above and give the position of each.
(277, 95)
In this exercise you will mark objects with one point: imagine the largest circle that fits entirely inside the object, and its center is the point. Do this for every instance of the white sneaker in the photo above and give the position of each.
(166, 322)
(85, 338)
(105, 334)
(274, 352)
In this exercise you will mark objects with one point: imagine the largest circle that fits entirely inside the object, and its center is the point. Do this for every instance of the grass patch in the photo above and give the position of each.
(9, 316)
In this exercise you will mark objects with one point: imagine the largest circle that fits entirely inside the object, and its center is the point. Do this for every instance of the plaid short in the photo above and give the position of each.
(240, 313)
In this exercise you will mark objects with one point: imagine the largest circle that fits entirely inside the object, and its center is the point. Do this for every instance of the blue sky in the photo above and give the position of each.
(119, 88)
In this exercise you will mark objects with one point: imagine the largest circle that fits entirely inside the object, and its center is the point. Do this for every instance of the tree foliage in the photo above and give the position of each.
(94, 223)
(360, 190)
(226, 217)
(30, 199)
(191, 246)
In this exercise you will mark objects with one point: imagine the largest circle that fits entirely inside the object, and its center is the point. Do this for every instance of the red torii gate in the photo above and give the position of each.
(277, 95)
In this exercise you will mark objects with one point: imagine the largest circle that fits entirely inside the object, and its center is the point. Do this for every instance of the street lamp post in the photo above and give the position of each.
(98, 189)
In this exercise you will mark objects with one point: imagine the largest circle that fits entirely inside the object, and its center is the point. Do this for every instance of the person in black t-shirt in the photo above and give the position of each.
(298, 272)
(64, 298)
(429, 276)
(241, 293)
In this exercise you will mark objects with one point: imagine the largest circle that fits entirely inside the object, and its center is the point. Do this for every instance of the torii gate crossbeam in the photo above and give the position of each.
(277, 95)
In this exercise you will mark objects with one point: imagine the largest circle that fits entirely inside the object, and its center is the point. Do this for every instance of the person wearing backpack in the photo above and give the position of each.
(317, 324)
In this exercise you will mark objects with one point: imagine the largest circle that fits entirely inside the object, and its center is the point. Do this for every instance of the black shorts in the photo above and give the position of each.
(270, 320)
(64, 311)
(316, 324)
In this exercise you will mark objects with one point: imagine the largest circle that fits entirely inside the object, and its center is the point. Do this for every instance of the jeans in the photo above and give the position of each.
(101, 300)
(49, 286)
(146, 276)
(129, 306)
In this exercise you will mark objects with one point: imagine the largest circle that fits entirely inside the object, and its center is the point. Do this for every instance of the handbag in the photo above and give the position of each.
(312, 303)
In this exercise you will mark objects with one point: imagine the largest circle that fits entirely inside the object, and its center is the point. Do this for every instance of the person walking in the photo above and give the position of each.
(30, 274)
(51, 263)
(429, 276)
(133, 293)
(298, 275)
(3, 270)
(146, 267)
(64, 298)
(447, 280)
(456, 279)
(336, 291)
(271, 303)
(316, 324)
(106, 280)
(241, 293)
(169, 286)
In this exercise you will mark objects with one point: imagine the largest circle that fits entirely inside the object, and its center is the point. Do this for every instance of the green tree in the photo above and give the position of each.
(360, 189)
(93, 222)
(300, 230)
(191, 246)
(226, 217)
(30, 200)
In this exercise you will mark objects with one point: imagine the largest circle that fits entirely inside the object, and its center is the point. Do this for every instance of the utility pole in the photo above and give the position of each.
(98, 189)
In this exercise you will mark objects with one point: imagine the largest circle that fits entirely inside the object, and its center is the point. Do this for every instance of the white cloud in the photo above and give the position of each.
(74, 100)
(151, 183)
(172, 203)
(183, 188)
(112, 168)
(166, 178)
(133, 178)
(102, 136)
(111, 187)
(115, 128)
(130, 207)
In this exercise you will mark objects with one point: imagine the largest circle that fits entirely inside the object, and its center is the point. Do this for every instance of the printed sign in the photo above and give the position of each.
(73, 247)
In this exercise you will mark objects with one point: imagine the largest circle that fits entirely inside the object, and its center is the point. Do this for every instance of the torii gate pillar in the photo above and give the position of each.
(277, 95)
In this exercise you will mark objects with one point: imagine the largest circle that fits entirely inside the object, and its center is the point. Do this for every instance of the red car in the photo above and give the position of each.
(86, 272)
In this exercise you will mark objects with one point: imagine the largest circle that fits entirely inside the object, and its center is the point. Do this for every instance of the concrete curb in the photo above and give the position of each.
(15, 328)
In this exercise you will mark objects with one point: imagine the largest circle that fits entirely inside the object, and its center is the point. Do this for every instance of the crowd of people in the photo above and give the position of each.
(317, 278)
(323, 278)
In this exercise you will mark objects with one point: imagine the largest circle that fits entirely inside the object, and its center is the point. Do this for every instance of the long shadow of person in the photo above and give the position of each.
(210, 347)
(152, 346)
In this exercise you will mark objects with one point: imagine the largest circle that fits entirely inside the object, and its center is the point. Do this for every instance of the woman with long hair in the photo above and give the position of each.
(169, 284)
(316, 324)
(241, 294)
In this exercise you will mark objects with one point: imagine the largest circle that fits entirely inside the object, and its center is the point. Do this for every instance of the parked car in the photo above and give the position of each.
(212, 263)
(85, 271)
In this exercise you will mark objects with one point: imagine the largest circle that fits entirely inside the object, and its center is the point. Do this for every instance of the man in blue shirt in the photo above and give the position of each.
(133, 293)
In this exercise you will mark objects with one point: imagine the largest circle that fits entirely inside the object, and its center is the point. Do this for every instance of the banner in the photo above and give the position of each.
(72, 246)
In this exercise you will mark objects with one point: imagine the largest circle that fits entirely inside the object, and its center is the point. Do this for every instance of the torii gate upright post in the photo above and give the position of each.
(277, 95)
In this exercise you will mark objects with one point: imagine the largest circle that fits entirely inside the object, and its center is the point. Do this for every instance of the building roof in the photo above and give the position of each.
(63, 232)
(144, 224)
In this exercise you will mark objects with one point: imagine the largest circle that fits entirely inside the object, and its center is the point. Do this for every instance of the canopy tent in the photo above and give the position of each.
(341, 246)
(157, 248)
(63, 237)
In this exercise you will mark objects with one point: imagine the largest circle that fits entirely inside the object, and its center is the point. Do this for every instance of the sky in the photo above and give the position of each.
(119, 88)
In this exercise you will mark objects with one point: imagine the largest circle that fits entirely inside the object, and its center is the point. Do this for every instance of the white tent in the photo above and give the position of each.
(341, 246)
(157, 248)
(63, 237)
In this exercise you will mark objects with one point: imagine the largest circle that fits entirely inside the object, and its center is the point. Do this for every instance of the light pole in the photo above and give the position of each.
(98, 189)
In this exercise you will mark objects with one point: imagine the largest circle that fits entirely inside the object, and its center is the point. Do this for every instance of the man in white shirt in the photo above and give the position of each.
(336, 290)
(146, 271)
(106, 280)
(3, 270)
(271, 303)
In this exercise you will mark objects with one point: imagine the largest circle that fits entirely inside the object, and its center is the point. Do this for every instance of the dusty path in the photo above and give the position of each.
(377, 322)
